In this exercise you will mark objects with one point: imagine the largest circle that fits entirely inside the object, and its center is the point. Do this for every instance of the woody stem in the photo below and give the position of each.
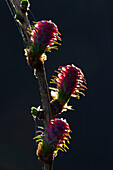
(45, 99)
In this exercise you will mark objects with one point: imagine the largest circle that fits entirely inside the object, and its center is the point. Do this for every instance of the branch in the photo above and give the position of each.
(48, 166)
(43, 86)
(39, 72)
(44, 92)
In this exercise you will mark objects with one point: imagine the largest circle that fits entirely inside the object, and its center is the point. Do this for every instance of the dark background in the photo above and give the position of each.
(87, 41)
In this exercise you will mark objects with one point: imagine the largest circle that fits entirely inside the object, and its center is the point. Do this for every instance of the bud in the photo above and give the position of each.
(44, 36)
(37, 112)
(24, 4)
(19, 18)
(69, 80)
(52, 139)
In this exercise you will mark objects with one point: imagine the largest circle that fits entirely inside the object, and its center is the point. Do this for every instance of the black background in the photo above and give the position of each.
(86, 28)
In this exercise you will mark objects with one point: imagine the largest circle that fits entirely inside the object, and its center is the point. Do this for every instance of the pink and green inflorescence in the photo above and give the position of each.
(70, 82)
(44, 36)
(53, 138)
